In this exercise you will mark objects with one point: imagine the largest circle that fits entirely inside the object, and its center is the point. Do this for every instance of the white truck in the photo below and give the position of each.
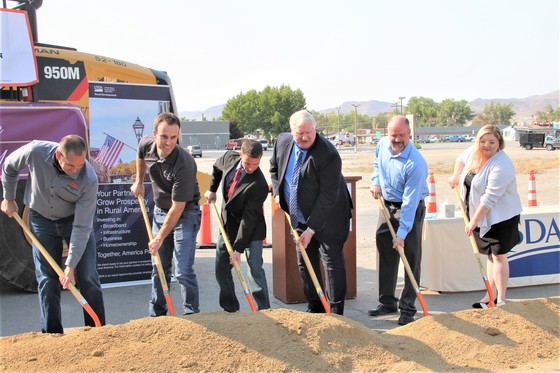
(551, 143)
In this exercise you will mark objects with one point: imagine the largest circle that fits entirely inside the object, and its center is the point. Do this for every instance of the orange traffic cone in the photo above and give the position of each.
(532, 190)
(205, 233)
(432, 205)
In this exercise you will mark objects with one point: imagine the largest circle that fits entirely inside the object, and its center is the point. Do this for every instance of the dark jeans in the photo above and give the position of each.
(256, 277)
(181, 242)
(50, 234)
(389, 259)
(331, 254)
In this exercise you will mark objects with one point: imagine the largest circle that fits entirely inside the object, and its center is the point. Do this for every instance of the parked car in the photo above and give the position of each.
(234, 144)
(453, 138)
(195, 150)
(422, 140)
(264, 144)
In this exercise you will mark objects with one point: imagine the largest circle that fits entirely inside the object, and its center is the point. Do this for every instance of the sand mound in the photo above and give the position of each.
(520, 336)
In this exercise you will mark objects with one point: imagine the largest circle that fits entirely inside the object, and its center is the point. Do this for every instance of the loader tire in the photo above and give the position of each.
(16, 258)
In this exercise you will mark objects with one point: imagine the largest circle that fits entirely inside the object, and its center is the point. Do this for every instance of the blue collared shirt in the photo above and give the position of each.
(403, 178)
(288, 177)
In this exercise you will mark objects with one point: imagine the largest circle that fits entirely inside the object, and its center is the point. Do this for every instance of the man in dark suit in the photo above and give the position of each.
(244, 190)
(307, 182)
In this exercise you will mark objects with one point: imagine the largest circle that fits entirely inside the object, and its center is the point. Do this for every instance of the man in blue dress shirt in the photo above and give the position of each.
(399, 176)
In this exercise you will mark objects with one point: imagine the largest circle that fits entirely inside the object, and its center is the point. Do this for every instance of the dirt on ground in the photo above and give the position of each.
(520, 336)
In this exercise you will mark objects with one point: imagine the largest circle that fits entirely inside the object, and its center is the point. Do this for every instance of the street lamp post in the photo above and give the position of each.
(138, 128)
(355, 127)
(401, 98)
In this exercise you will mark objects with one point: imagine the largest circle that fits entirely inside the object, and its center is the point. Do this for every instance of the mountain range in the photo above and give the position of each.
(524, 108)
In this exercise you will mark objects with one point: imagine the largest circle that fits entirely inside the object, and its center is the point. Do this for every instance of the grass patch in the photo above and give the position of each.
(522, 166)
(357, 169)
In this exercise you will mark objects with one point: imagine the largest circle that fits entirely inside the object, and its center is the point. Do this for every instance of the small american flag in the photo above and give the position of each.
(109, 151)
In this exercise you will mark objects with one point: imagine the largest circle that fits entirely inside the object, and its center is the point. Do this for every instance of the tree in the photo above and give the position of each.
(240, 110)
(277, 105)
(478, 121)
(496, 114)
(556, 114)
(382, 120)
(424, 110)
(347, 121)
(234, 131)
(267, 111)
(547, 116)
(323, 125)
(124, 168)
(454, 113)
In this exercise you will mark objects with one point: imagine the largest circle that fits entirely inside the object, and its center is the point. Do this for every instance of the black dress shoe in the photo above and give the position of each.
(405, 318)
(381, 310)
(479, 305)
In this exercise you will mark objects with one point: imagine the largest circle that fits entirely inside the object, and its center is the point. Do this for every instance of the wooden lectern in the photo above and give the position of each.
(286, 281)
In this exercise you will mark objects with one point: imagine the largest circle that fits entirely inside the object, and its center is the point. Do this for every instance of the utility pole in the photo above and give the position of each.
(355, 127)
(401, 98)
(396, 106)
(338, 133)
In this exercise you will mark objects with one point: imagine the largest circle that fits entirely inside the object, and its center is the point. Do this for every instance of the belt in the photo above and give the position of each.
(395, 205)
(187, 205)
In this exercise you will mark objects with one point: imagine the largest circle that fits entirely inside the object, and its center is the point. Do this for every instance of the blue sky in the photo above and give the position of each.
(334, 51)
(116, 117)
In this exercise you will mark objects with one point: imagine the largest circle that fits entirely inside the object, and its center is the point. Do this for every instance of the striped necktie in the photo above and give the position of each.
(293, 190)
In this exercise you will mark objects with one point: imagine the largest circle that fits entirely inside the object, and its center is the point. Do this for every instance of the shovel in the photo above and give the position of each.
(475, 251)
(235, 264)
(403, 258)
(157, 260)
(59, 271)
(309, 267)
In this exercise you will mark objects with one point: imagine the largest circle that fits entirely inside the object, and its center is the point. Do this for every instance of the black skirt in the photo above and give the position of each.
(500, 239)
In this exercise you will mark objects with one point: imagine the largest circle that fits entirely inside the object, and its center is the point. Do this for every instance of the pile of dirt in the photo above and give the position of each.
(517, 337)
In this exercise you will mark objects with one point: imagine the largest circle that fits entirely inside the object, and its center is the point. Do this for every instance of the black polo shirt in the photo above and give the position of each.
(173, 178)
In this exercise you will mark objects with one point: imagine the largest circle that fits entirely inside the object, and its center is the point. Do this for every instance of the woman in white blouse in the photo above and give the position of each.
(486, 177)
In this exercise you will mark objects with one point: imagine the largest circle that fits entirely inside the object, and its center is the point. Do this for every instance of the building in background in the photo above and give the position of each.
(207, 134)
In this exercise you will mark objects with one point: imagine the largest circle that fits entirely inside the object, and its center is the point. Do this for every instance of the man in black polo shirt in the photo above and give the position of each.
(176, 222)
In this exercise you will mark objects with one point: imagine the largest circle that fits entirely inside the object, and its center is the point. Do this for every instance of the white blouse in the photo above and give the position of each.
(495, 186)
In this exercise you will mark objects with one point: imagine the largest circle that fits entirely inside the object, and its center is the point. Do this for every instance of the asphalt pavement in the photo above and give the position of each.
(19, 311)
